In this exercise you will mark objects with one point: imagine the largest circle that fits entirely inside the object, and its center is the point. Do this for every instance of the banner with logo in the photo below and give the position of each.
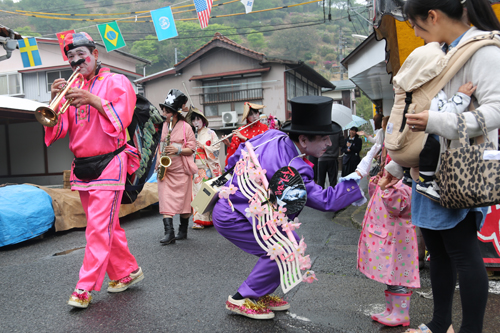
(163, 20)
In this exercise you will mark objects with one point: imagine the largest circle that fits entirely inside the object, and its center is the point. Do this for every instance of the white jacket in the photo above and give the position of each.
(483, 70)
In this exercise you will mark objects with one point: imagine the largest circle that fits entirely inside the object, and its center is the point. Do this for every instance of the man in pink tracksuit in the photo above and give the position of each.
(96, 121)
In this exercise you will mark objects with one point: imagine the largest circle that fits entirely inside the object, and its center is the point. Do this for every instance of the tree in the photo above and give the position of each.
(294, 43)
(257, 41)
(364, 107)
(26, 31)
(52, 25)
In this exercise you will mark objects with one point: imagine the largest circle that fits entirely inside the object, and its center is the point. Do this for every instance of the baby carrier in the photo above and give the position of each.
(415, 87)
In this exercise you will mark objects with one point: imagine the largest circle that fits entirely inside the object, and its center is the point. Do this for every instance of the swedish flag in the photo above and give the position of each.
(29, 52)
(111, 36)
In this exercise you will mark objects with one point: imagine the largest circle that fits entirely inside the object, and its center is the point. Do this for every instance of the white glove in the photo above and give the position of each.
(351, 176)
(365, 164)
(357, 178)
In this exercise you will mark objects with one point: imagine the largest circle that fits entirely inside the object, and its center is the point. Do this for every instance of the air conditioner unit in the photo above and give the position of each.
(229, 118)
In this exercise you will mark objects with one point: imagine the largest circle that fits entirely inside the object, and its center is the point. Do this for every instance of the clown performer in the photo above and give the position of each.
(251, 113)
(206, 159)
(308, 135)
(96, 122)
(175, 189)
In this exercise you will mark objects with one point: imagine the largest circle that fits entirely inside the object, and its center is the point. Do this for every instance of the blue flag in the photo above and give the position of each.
(163, 20)
(29, 52)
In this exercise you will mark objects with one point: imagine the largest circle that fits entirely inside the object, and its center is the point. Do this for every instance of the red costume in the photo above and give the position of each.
(249, 132)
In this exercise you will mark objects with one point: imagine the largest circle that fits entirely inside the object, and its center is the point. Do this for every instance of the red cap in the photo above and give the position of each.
(72, 41)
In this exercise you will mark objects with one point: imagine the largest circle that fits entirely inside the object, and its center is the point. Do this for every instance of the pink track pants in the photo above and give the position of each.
(107, 249)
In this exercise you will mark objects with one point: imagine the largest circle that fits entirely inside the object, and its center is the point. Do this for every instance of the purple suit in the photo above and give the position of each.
(237, 228)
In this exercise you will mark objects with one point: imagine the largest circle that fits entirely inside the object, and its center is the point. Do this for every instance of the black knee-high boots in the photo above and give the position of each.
(183, 229)
(169, 238)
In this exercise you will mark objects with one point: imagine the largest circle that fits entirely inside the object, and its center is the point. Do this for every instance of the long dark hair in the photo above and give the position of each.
(479, 12)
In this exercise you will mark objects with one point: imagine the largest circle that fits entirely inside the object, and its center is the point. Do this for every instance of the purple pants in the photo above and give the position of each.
(265, 276)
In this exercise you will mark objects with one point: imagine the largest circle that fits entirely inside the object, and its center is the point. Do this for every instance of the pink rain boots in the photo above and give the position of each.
(388, 307)
(400, 314)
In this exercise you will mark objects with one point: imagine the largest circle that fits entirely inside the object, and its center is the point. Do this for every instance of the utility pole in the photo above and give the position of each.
(175, 56)
(341, 54)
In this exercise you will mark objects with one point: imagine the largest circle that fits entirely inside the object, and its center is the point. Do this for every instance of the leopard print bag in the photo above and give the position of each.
(465, 178)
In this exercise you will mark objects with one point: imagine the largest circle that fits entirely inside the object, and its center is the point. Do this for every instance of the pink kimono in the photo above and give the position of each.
(387, 248)
(175, 191)
(93, 134)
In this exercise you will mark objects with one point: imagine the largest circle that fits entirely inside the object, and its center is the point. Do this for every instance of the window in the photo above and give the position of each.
(297, 85)
(52, 76)
(229, 94)
(10, 84)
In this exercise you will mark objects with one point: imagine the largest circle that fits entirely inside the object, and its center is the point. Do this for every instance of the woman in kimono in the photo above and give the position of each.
(206, 159)
(175, 190)
(251, 113)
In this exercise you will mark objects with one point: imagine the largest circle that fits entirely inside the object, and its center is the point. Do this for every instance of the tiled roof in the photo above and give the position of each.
(219, 37)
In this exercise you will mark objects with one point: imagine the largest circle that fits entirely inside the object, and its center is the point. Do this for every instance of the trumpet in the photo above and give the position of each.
(262, 116)
(46, 115)
(165, 160)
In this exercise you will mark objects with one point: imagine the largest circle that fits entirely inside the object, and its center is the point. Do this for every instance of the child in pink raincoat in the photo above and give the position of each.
(387, 248)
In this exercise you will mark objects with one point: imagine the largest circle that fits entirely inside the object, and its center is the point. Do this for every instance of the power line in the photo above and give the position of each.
(237, 34)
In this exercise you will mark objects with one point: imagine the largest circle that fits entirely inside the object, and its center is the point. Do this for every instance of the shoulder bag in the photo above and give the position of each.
(469, 175)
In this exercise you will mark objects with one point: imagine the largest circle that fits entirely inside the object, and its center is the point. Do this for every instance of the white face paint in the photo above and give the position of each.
(198, 123)
(253, 116)
(317, 147)
(88, 66)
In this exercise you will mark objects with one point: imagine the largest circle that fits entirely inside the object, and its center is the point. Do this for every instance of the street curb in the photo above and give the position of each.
(358, 215)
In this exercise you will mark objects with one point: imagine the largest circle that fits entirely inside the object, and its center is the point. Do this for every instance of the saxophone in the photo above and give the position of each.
(165, 160)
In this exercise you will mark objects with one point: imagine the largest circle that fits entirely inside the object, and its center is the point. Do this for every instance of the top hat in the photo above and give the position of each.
(72, 41)
(312, 115)
(246, 109)
(174, 100)
(195, 112)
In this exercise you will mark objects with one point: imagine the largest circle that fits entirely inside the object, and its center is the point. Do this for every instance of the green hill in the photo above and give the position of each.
(320, 36)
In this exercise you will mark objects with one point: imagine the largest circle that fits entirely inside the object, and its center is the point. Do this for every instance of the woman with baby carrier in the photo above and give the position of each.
(451, 234)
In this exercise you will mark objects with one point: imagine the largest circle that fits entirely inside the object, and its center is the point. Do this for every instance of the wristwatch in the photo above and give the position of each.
(457, 99)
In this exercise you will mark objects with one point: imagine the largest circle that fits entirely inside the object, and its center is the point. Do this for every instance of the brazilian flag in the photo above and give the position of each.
(111, 36)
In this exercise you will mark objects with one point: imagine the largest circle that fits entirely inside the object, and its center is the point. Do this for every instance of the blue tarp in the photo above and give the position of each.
(25, 212)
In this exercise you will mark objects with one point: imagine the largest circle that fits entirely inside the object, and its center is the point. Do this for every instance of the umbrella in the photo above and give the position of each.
(342, 115)
(356, 121)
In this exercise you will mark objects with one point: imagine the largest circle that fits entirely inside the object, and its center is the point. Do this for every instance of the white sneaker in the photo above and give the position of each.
(116, 286)
(249, 308)
(429, 189)
(80, 298)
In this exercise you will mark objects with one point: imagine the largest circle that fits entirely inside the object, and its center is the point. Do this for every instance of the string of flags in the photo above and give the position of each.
(163, 20)
(112, 37)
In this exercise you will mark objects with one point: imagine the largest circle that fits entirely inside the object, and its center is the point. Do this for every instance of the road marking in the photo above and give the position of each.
(294, 316)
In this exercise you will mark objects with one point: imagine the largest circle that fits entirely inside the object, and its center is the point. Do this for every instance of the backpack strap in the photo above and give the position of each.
(461, 54)
(408, 100)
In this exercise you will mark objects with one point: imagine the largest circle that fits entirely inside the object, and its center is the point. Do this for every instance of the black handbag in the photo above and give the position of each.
(90, 168)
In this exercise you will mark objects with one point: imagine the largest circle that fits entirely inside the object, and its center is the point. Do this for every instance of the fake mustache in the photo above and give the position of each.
(77, 63)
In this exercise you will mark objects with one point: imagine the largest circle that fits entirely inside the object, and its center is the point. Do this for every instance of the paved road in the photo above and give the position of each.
(186, 284)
